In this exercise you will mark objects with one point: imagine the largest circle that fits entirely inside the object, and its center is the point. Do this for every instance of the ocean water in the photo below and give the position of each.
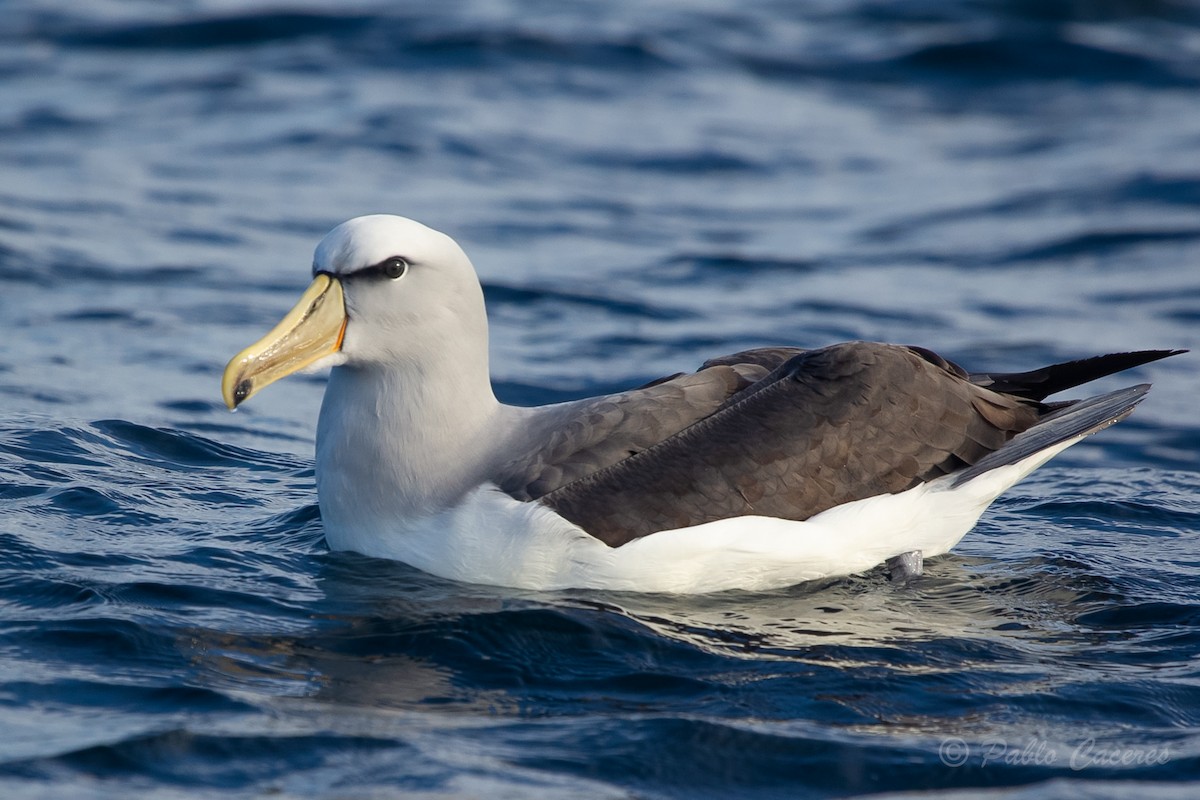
(641, 186)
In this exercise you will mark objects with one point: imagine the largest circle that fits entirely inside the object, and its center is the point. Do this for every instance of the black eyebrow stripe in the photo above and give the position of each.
(374, 269)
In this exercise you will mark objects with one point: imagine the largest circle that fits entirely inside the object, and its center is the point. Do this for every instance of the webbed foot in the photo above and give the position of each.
(906, 566)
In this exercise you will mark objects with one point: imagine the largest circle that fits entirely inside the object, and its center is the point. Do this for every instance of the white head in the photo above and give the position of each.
(388, 294)
(410, 291)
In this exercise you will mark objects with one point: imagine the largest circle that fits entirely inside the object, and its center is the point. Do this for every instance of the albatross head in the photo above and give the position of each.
(387, 293)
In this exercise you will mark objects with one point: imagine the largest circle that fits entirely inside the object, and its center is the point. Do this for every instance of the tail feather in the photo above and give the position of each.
(1070, 422)
(1039, 384)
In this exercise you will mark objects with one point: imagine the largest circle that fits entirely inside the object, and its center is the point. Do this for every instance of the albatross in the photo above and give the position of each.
(759, 470)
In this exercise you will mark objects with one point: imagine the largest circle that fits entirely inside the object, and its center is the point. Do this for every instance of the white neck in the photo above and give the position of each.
(402, 444)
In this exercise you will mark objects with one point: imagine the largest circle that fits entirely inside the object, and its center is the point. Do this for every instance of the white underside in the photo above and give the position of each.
(492, 539)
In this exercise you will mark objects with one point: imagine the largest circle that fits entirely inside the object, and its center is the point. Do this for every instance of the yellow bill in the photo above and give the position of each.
(309, 332)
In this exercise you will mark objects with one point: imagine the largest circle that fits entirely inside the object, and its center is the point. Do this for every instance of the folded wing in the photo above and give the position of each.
(788, 433)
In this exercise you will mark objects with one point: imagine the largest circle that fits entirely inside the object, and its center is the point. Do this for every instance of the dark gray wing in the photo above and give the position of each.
(564, 443)
(766, 357)
(824, 428)
(561, 444)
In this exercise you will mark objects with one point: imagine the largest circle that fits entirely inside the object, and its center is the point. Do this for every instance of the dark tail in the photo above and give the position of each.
(1075, 419)
(1038, 384)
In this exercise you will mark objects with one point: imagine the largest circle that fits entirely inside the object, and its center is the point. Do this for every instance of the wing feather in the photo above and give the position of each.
(565, 443)
(826, 427)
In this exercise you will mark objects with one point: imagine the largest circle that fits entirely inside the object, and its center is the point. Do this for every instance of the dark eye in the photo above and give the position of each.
(394, 267)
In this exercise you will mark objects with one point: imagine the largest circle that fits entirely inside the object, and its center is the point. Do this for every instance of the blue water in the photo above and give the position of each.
(641, 186)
